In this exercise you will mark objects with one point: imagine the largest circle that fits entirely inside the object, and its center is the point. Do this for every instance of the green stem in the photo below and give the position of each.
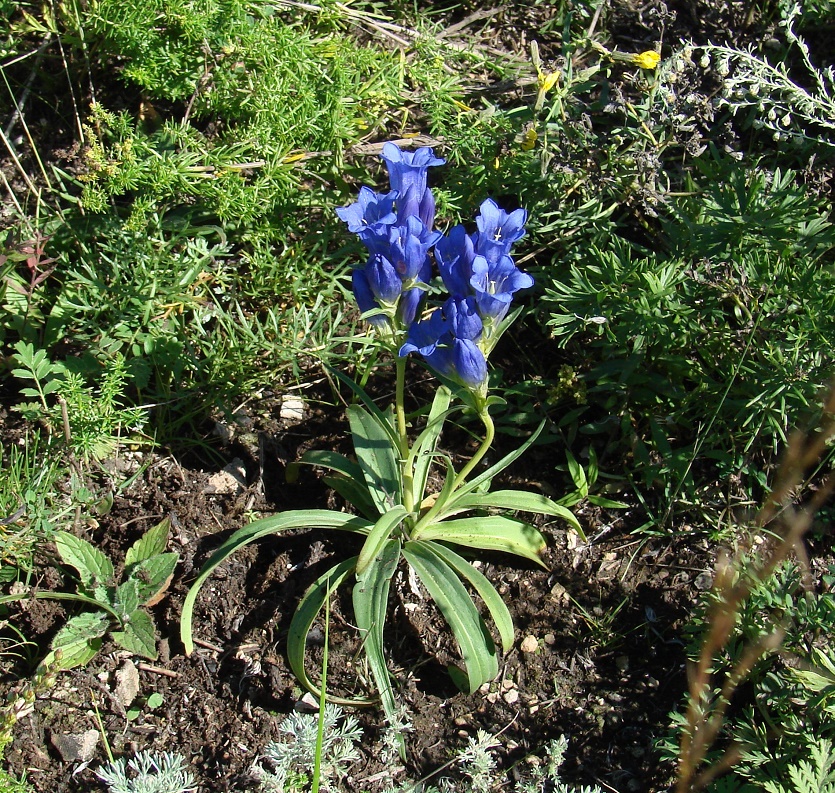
(489, 435)
(403, 439)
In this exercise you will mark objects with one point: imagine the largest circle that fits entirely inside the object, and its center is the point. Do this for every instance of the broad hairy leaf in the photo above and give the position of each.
(153, 575)
(152, 543)
(377, 457)
(126, 598)
(139, 635)
(94, 568)
(378, 536)
(495, 605)
(79, 640)
(490, 533)
(474, 641)
(309, 607)
(370, 598)
(283, 521)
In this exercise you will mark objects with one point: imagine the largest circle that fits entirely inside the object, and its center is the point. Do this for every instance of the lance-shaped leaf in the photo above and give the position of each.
(517, 500)
(377, 457)
(495, 605)
(369, 403)
(490, 533)
(370, 597)
(477, 648)
(378, 536)
(350, 484)
(423, 449)
(292, 519)
(309, 607)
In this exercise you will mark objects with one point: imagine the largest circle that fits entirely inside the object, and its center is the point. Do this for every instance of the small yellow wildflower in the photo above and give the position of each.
(547, 80)
(528, 140)
(646, 60)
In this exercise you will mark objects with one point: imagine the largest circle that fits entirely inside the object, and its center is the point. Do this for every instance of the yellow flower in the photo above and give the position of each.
(646, 60)
(528, 140)
(547, 80)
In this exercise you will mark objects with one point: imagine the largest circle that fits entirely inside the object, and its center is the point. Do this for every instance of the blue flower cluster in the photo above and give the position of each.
(397, 228)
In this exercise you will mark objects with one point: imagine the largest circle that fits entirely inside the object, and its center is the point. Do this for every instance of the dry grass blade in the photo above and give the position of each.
(787, 524)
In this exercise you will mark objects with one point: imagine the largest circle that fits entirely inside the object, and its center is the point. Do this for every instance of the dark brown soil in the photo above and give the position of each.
(606, 617)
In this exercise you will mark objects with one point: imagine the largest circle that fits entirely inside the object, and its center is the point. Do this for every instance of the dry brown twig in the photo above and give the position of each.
(787, 524)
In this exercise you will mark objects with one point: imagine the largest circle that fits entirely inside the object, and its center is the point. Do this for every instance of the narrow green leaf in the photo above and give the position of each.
(578, 475)
(94, 568)
(334, 461)
(486, 476)
(377, 457)
(490, 533)
(309, 607)
(291, 519)
(423, 449)
(495, 605)
(89, 601)
(370, 598)
(369, 403)
(441, 499)
(355, 493)
(152, 543)
(518, 500)
(474, 641)
(139, 636)
(378, 536)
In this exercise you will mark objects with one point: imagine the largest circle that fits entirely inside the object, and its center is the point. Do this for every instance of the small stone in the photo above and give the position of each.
(493, 697)
(549, 639)
(529, 644)
(127, 683)
(460, 721)
(511, 697)
(292, 409)
(232, 479)
(507, 684)
(463, 734)
(307, 704)
(533, 709)
(76, 746)
(703, 581)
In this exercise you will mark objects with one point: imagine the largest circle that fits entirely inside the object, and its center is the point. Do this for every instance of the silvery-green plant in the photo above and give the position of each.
(388, 480)
(289, 763)
(776, 102)
(148, 772)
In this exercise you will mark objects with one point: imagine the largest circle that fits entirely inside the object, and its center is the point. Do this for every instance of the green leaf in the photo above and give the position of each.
(369, 403)
(153, 575)
(139, 635)
(370, 598)
(423, 449)
(378, 536)
(126, 598)
(79, 640)
(292, 519)
(94, 568)
(474, 641)
(578, 475)
(490, 533)
(486, 476)
(152, 543)
(517, 500)
(355, 493)
(495, 605)
(378, 458)
(309, 607)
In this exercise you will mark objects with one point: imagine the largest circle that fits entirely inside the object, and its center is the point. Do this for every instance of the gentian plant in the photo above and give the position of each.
(387, 480)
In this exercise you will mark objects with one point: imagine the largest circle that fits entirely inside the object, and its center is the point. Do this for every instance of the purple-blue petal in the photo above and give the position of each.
(469, 363)
(365, 297)
(383, 279)
(454, 254)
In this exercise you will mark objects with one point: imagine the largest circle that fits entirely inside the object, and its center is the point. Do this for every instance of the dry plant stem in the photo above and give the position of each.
(703, 721)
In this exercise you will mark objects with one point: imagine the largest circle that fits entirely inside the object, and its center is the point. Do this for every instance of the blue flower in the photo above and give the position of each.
(498, 230)
(407, 174)
(369, 210)
(447, 340)
(454, 254)
(495, 283)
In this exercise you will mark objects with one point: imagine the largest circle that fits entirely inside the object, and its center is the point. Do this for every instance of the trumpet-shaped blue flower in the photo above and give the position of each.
(448, 342)
(495, 283)
(369, 210)
(407, 174)
(498, 230)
